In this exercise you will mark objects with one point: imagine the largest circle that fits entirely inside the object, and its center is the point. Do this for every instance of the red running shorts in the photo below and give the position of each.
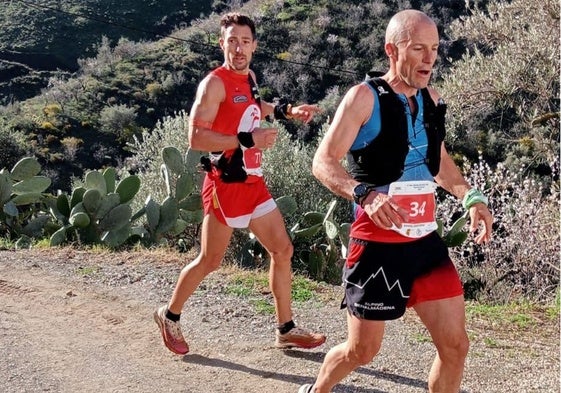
(236, 204)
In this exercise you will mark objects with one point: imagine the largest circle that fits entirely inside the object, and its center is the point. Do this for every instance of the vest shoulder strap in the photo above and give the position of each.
(391, 108)
(381, 87)
(428, 103)
(254, 89)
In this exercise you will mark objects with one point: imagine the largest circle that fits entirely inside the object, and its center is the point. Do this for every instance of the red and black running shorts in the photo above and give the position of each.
(236, 204)
(382, 279)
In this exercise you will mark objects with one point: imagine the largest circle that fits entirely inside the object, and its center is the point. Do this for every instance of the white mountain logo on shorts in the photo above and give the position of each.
(373, 276)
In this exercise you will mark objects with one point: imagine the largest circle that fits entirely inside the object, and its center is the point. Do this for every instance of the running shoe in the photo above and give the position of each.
(171, 332)
(307, 388)
(299, 338)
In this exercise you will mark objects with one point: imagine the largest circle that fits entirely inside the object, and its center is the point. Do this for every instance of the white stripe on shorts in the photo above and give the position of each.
(243, 221)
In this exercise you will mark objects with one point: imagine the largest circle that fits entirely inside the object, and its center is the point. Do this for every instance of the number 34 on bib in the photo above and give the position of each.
(418, 198)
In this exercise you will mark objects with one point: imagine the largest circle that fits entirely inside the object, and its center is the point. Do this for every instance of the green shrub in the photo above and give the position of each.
(502, 95)
(146, 158)
(118, 120)
(12, 148)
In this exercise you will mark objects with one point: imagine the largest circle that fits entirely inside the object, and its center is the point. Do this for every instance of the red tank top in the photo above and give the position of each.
(239, 112)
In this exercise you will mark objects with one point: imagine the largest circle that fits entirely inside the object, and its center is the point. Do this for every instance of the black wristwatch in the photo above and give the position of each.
(360, 192)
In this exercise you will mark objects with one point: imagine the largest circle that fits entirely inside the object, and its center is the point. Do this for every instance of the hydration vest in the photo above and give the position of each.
(382, 161)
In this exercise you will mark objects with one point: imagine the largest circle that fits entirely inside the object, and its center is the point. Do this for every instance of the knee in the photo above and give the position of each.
(214, 265)
(362, 354)
(210, 263)
(283, 252)
(454, 348)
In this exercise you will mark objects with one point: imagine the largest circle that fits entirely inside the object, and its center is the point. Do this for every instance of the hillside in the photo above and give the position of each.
(130, 79)
(45, 38)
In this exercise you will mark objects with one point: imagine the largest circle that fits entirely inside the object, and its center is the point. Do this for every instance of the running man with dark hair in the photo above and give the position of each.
(225, 121)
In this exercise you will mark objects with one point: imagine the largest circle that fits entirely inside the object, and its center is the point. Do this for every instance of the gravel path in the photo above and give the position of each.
(82, 321)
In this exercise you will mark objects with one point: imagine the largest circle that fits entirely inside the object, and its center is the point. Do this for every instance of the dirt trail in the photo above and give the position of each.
(82, 322)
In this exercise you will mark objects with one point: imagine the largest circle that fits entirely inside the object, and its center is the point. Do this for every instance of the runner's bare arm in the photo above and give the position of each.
(304, 112)
(210, 93)
(449, 176)
(451, 179)
(327, 166)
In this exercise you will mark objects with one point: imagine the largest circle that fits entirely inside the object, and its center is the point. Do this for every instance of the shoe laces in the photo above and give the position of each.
(174, 328)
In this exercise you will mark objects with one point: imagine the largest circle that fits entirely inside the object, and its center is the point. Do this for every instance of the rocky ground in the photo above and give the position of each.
(82, 321)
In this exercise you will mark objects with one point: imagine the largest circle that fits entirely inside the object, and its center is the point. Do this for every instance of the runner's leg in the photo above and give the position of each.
(271, 233)
(445, 320)
(215, 237)
(363, 343)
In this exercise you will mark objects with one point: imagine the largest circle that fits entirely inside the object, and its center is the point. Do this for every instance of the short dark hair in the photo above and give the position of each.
(235, 18)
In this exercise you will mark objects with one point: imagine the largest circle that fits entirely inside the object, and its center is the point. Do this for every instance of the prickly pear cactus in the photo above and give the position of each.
(98, 212)
(183, 204)
(456, 235)
(328, 243)
(22, 201)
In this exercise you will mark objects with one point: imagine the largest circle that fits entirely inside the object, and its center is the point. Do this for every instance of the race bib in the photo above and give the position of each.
(418, 198)
(252, 161)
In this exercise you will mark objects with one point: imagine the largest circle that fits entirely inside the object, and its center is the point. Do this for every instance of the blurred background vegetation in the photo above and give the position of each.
(87, 85)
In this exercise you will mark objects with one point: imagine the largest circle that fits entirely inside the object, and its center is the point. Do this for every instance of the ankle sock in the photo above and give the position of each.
(172, 317)
(284, 328)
